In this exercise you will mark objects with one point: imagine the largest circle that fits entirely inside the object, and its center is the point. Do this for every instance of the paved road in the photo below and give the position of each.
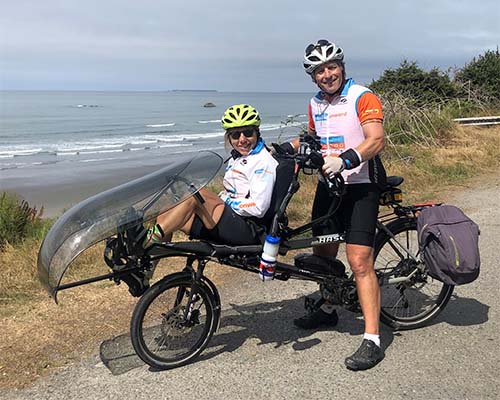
(258, 353)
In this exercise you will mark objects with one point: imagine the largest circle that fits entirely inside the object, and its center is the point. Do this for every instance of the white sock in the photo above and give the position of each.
(374, 338)
(327, 307)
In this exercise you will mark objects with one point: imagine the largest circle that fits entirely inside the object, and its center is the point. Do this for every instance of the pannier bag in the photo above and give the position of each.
(448, 241)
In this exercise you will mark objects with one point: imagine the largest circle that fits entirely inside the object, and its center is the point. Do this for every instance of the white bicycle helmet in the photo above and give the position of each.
(320, 53)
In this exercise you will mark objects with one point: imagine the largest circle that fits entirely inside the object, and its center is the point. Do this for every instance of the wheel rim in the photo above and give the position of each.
(407, 302)
(166, 335)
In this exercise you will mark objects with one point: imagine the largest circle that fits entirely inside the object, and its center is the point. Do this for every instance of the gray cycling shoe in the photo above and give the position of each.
(367, 356)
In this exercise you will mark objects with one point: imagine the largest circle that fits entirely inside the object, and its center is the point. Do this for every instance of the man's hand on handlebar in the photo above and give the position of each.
(332, 166)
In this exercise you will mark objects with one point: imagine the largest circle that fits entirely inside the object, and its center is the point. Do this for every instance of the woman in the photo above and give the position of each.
(231, 217)
(248, 186)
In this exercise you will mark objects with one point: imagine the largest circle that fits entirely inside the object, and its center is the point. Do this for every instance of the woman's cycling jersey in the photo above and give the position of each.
(249, 182)
(338, 124)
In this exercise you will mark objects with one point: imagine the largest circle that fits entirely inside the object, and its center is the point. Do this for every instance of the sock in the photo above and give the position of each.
(328, 308)
(153, 235)
(374, 338)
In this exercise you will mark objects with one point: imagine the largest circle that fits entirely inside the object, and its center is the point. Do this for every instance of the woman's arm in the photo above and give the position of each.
(261, 178)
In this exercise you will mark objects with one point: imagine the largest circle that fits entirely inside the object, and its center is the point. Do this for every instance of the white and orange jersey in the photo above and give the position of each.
(338, 123)
(249, 182)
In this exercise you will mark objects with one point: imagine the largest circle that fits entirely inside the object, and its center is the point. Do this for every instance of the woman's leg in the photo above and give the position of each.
(181, 216)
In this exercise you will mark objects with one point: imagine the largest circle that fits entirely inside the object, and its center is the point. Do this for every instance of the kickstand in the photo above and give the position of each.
(311, 304)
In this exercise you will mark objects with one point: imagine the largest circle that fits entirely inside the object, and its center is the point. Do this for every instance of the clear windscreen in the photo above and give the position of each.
(103, 215)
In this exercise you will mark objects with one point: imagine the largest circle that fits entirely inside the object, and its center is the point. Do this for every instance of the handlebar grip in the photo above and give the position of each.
(316, 159)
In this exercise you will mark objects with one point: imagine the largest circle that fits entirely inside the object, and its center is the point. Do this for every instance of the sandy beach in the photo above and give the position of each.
(58, 189)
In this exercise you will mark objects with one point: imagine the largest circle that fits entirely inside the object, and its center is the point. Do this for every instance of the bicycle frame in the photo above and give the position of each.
(247, 257)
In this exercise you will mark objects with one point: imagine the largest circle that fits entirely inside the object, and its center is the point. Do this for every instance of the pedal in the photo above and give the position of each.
(321, 265)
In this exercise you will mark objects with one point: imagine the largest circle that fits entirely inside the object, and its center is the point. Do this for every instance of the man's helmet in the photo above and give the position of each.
(240, 115)
(320, 53)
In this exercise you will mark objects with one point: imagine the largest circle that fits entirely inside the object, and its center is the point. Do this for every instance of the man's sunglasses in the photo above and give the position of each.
(235, 135)
(320, 43)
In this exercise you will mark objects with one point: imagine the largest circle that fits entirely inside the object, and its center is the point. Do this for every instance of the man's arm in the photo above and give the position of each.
(374, 141)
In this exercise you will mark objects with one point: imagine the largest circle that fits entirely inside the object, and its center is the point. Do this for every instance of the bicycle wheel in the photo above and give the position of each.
(172, 323)
(411, 303)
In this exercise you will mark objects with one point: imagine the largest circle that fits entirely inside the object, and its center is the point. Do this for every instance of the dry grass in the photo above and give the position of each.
(38, 335)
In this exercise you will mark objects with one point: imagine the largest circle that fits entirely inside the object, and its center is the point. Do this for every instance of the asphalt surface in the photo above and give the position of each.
(258, 353)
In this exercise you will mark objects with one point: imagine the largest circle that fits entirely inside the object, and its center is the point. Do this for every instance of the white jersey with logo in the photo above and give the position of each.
(338, 124)
(249, 182)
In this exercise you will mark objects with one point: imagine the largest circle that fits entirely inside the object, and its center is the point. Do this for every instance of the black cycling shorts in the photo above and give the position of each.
(232, 229)
(356, 215)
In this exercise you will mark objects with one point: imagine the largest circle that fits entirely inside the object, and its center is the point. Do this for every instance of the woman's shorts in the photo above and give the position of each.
(356, 215)
(232, 229)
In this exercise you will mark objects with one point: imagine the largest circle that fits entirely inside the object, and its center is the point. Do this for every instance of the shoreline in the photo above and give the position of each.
(56, 198)
(57, 190)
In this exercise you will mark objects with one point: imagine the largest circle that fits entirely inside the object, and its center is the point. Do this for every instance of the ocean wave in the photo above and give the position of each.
(160, 125)
(270, 127)
(22, 152)
(211, 121)
(99, 159)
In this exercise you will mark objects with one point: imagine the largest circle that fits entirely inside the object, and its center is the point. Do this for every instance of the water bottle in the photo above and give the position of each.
(268, 258)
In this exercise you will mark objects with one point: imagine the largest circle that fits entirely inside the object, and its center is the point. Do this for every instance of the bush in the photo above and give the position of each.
(19, 221)
(481, 77)
(418, 86)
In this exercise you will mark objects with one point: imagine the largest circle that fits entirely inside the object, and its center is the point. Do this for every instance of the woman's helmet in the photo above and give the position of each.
(320, 53)
(240, 115)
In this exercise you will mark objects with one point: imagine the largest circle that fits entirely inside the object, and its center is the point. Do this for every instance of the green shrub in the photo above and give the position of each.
(19, 221)
(416, 85)
(480, 79)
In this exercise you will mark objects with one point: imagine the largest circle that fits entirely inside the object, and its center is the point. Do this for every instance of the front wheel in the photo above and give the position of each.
(173, 321)
(409, 296)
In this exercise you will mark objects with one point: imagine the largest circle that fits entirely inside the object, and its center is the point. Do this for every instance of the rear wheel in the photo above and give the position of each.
(173, 322)
(409, 297)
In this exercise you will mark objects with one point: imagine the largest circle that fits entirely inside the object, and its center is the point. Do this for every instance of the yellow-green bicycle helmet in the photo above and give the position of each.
(240, 115)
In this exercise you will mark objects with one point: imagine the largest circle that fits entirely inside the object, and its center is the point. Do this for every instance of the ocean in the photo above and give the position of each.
(53, 138)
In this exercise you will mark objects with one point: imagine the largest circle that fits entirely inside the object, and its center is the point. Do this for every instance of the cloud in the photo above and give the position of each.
(227, 45)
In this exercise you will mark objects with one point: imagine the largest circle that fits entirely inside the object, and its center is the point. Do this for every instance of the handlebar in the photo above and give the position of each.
(309, 158)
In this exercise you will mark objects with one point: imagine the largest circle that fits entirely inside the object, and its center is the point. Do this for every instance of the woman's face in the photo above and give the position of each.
(243, 139)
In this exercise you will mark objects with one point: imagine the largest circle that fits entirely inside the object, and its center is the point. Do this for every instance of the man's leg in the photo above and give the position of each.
(325, 315)
(360, 259)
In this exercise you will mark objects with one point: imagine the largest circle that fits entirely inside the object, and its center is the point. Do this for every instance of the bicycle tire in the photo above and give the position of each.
(159, 325)
(406, 305)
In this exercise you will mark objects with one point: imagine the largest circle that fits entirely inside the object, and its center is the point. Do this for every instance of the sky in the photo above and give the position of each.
(233, 46)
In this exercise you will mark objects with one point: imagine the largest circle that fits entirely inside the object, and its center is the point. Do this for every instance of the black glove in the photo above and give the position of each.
(282, 149)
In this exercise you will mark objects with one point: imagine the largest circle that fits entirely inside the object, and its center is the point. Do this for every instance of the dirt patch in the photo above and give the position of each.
(40, 336)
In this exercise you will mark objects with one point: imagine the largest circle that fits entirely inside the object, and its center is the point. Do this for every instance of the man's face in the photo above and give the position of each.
(329, 77)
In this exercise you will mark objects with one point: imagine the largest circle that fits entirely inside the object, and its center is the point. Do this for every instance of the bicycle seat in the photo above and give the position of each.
(322, 265)
(393, 181)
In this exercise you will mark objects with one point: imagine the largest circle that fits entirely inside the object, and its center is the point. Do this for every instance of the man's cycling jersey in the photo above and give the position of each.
(338, 124)
(249, 182)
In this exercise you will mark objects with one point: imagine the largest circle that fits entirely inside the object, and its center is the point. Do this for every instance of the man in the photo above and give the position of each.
(348, 120)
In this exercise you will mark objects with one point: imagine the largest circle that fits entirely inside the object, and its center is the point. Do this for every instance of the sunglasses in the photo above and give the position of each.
(320, 43)
(235, 135)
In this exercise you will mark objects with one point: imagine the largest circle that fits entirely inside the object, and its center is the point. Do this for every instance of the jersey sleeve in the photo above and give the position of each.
(261, 184)
(369, 107)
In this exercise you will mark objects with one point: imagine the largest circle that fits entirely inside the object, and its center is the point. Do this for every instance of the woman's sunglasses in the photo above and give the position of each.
(235, 135)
